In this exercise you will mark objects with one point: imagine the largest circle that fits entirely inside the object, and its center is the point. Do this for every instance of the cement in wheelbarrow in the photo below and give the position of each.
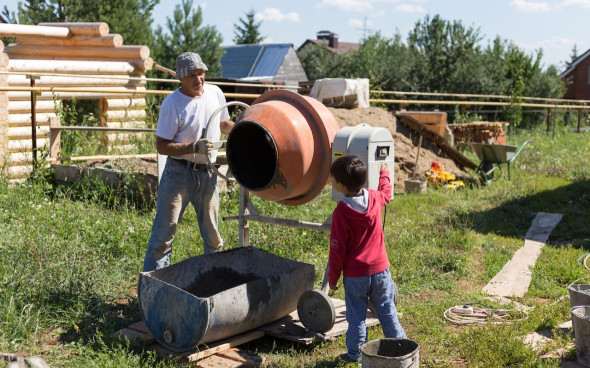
(211, 297)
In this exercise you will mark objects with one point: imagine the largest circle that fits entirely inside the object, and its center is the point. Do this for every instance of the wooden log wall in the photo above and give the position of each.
(3, 107)
(78, 55)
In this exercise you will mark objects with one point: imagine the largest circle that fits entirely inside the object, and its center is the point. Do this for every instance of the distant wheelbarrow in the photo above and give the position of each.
(493, 155)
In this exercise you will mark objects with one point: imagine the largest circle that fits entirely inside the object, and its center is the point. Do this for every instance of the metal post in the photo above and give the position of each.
(548, 119)
(243, 223)
(33, 77)
(579, 118)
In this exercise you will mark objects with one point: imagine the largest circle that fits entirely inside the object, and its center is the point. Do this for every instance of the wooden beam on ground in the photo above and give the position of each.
(515, 277)
(437, 139)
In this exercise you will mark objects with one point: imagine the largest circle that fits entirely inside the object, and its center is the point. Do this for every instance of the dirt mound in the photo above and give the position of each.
(405, 142)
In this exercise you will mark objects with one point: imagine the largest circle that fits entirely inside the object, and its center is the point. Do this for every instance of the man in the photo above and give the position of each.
(187, 178)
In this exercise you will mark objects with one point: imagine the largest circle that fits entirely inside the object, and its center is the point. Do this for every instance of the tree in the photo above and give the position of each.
(385, 61)
(249, 30)
(573, 56)
(437, 46)
(319, 62)
(186, 33)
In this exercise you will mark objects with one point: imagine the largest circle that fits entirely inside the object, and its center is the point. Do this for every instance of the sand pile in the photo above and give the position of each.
(405, 142)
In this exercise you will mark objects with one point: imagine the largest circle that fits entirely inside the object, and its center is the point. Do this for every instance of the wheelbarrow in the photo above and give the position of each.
(492, 156)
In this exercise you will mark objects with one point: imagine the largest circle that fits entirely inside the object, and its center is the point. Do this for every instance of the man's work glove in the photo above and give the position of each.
(202, 146)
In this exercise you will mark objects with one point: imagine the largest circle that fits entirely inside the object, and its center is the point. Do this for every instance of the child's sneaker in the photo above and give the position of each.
(346, 359)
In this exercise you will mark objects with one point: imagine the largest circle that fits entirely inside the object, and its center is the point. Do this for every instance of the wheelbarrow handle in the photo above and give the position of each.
(520, 149)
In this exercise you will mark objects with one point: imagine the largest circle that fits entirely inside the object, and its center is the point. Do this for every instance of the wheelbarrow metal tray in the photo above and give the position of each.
(215, 296)
(494, 153)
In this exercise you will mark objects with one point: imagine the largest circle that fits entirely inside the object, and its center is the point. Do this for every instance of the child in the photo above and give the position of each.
(358, 251)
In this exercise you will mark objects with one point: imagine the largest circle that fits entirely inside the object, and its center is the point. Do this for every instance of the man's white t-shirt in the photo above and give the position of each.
(183, 118)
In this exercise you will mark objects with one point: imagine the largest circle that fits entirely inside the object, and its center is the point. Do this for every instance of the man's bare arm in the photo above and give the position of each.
(226, 126)
(166, 147)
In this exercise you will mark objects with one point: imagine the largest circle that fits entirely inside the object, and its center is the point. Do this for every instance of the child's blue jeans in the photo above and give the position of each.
(357, 292)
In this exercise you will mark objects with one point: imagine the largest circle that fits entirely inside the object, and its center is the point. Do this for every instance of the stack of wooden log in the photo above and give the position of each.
(3, 102)
(81, 57)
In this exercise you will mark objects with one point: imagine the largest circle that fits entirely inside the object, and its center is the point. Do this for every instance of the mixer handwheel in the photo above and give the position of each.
(316, 311)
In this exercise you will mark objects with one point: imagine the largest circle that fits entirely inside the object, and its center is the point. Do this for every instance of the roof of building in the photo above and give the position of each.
(343, 47)
(253, 60)
(574, 64)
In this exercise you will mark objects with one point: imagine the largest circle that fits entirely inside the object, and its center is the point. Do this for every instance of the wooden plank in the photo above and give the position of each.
(439, 140)
(281, 330)
(204, 351)
(224, 345)
(542, 226)
(135, 337)
(232, 358)
(139, 332)
(515, 277)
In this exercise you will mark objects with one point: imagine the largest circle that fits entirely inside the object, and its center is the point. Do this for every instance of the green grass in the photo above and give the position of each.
(70, 258)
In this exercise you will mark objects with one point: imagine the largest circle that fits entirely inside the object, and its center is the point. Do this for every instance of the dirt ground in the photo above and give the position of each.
(405, 142)
(405, 146)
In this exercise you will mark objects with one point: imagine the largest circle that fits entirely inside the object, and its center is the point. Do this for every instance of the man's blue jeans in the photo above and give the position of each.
(179, 185)
(380, 290)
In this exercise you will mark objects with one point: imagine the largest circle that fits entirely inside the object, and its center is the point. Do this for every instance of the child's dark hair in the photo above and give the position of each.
(350, 171)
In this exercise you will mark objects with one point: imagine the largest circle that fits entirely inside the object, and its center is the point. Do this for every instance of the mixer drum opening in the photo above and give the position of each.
(252, 155)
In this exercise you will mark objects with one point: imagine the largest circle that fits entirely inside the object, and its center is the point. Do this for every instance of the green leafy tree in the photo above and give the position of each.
(385, 61)
(248, 30)
(520, 68)
(437, 46)
(185, 32)
(319, 62)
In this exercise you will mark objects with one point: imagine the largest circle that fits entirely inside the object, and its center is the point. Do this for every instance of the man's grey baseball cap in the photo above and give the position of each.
(187, 63)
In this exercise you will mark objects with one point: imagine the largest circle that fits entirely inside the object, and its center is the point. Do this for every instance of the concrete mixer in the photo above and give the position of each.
(280, 149)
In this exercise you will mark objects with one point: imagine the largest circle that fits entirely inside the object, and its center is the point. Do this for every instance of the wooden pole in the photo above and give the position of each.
(33, 119)
(554, 119)
(164, 69)
(21, 30)
(54, 138)
(82, 29)
(110, 40)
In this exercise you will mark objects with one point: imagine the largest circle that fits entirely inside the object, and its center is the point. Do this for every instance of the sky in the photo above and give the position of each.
(554, 26)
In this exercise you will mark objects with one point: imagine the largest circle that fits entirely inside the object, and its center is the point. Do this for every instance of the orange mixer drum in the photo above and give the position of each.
(280, 147)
